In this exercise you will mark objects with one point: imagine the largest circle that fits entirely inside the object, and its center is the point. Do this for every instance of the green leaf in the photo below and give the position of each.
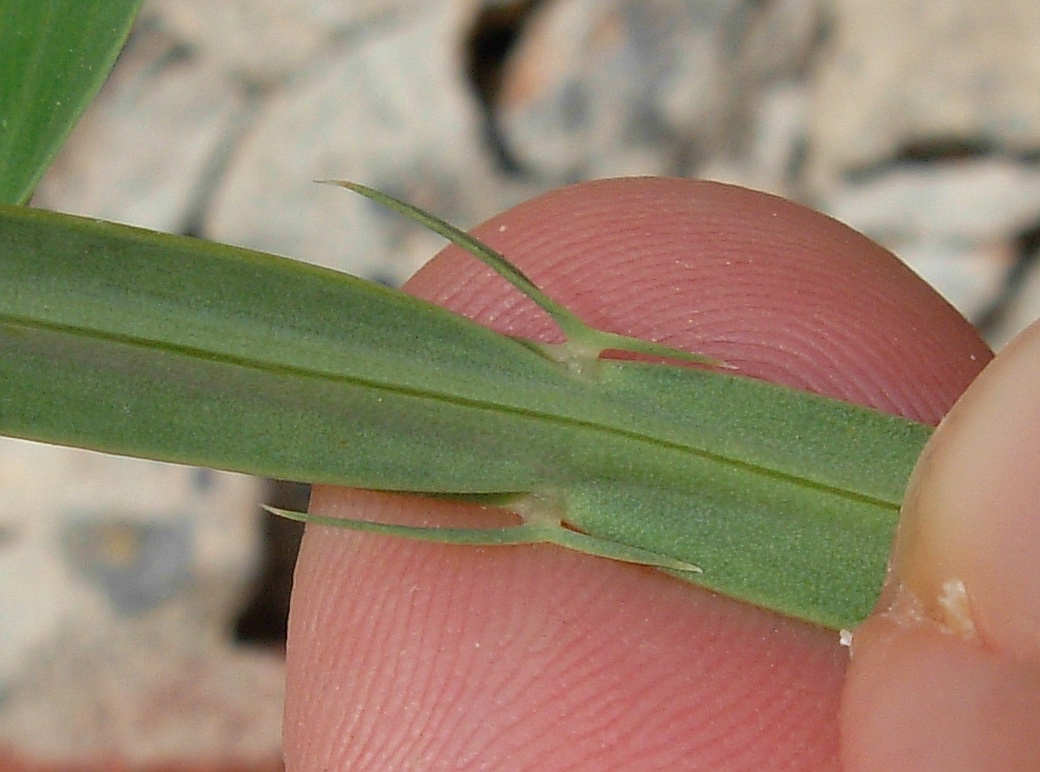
(54, 56)
(144, 344)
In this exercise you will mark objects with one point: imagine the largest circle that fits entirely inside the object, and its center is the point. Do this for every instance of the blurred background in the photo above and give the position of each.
(144, 606)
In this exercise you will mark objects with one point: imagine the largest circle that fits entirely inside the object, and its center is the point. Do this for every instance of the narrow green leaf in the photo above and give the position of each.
(54, 56)
(145, 344)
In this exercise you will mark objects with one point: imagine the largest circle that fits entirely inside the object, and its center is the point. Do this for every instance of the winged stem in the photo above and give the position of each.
(145, 344)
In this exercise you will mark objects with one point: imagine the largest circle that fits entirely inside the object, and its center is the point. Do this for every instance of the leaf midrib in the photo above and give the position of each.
(451, 399)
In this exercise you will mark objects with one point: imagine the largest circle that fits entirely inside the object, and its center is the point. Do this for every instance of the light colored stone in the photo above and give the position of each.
(970, 275)
(1023, 308)
(775, 141)
(119, 583)
(267, 40)
(147, 148)
(394, 113)
(897, 73)
(103, 543)
(587, 92)
(143, 698)
(976, 200)
(774, 40)
(663, 87)
(953, 222)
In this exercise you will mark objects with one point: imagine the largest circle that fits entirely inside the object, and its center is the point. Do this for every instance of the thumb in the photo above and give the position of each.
(947, 674)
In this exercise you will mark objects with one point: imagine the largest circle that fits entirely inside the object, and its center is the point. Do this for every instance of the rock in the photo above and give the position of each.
(773, 146)
(896, 74)
(1023, 307)
(113, 703)
(596, 89)
(604, 89)
(954, 223)
(775, 40)
(117, 583)
(147, 148)
(392, 112)
(267, 40)
(976, 200)
(970, 275)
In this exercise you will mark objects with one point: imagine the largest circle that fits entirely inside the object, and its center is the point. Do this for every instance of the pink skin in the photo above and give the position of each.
(408, 655)
(971, 664)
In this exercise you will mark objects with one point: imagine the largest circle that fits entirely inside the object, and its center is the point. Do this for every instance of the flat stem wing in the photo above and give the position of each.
(145, 344)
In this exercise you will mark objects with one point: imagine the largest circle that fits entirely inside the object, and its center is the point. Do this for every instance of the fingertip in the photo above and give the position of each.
(786, 293)
(405, 654)
(947, 674)
(917, 698)
(969, 534)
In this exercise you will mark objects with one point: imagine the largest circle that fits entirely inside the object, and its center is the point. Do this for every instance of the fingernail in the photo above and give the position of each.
(966, 552)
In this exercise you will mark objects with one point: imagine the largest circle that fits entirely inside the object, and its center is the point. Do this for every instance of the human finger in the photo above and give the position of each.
(946, 676)
(534, 657)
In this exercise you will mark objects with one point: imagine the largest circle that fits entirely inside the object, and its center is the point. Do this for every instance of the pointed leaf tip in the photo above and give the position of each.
(584, 342)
